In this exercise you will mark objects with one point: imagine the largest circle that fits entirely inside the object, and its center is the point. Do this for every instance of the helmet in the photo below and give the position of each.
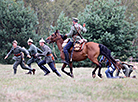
(42, 40)
(15, 42)
(30, 40)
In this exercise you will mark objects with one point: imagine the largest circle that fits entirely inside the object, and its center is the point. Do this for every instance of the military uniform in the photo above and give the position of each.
(75, 29)
(33, 50)
(19, 58)
(49, 59)
(74, 32)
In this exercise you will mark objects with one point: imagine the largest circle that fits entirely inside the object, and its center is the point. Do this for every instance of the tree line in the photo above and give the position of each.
(110, 22)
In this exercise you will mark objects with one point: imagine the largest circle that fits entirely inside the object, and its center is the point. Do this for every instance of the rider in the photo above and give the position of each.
(75, 29)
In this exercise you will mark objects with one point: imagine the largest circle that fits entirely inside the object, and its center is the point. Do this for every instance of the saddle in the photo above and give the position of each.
(78, 46)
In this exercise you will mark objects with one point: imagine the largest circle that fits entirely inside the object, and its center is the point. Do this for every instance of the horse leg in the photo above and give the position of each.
(93, 72)
(99, 72)
(71, 70)
(63, 67)
(94, 60)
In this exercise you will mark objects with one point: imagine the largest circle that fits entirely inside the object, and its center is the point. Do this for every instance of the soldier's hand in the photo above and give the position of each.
(6, 57)
(29, 56)
(84, 25)
(23, 47)
(36, 54)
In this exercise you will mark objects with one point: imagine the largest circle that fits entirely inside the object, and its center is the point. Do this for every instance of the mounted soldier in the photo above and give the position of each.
(75, 34)
(18, 57)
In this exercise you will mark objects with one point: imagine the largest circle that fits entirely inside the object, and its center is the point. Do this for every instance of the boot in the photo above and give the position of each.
(58, 74)
(29, 72)
(33, 71)
(47, 73)
(15, 70)
(66, 58)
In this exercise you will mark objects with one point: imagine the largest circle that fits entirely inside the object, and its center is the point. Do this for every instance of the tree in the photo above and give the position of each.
(16, 22)
(48, 11)
(106, 24)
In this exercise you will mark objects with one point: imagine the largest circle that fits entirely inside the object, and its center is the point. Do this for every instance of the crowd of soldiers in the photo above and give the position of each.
(35, 54)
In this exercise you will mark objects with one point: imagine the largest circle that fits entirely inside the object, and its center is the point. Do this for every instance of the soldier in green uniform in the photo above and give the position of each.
(33, 51)
(75, 29)
(18, 57)
(49, 58)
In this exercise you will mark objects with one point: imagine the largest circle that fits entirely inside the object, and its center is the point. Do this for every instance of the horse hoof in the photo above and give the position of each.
(93, 75)
(100, 75)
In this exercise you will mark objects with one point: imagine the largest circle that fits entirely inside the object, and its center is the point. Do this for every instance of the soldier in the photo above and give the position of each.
(18, 57)
(33, 51)
(74, 33)
(49, 59)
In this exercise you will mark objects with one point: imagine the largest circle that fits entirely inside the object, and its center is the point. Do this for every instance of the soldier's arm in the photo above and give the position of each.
(9, 53)
(24, 51)
(39, 50)
(44, 53)
(70, 33)
(83, 28)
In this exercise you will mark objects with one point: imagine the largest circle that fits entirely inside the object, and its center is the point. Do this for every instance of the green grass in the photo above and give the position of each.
(82, 88)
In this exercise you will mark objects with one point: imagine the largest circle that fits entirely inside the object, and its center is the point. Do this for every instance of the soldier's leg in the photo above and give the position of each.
(16, 63)
(65, 50)
(37, 60)
(41, 65)
(23, 66)
(126, 70)
(107, 72)
(52, 66)
(29, 62)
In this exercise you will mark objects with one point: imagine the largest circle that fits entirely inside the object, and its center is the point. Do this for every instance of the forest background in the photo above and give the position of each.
(113, 23)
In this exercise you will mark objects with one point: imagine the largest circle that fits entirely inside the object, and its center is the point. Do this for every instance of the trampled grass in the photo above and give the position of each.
(82, 88)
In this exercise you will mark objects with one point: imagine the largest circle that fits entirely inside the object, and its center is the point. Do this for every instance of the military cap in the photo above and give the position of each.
(75, 19)
(15, 42)
(117, 60)
(42, 40)
(30, 40)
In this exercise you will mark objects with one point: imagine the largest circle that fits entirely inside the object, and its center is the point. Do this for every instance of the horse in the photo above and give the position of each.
(91, 50)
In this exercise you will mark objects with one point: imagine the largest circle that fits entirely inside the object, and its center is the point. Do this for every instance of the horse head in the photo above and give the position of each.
(54, 37)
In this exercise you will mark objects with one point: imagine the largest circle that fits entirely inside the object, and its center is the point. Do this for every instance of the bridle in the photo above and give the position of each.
(56, 39)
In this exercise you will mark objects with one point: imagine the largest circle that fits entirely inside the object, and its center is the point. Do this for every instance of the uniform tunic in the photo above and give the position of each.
(45, 53)
(18, 57)
(73, 32)
(48, 59)
(33, 50)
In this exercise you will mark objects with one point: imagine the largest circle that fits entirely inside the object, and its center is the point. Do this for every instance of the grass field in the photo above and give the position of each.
(82, 88)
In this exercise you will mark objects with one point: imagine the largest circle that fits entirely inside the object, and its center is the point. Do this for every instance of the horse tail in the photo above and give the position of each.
(107, 53)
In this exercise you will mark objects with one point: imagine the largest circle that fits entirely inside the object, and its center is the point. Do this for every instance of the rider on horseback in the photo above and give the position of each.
(75, 29)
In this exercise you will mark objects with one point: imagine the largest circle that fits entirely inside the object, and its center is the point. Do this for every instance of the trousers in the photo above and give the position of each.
(51, 65)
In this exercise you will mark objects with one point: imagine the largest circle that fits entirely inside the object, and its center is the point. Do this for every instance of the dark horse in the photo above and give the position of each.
(91, 50)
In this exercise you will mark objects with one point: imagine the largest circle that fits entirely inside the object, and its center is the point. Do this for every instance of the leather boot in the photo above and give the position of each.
(58, 74)
(33, 71)
(15, 70)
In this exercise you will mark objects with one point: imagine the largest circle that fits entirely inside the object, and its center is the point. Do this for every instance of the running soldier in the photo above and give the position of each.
(18, 57)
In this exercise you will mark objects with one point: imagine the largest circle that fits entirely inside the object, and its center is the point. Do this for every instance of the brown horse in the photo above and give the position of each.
(91, 50)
